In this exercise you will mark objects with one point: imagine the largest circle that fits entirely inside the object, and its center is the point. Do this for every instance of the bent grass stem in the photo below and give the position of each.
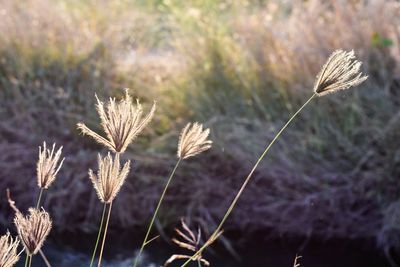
(98, 235)
(145, 241)
(235, 200)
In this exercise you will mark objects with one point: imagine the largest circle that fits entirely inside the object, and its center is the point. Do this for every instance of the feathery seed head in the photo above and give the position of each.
(110, 177)
(48, 166)
(193, 140)
(33, 229)
(8, 250)
(121, 122)
(190, 240)
(341, 71)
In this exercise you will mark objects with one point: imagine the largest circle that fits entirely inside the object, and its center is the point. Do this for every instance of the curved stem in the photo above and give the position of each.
(156, 212)
(39, 198)
(98, 235)
(105, 235)
(235, 200)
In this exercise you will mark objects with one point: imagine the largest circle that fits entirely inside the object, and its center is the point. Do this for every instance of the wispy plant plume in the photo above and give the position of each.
(110, 177)
(190, 240)
(48, 165)
(33, 229)
(8, 250)
(193, 140)
(121, 121)
(341, 71)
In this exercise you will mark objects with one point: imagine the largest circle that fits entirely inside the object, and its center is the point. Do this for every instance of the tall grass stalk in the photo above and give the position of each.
(98, 235)
(235, 200)
(105, 234)
(145, 241)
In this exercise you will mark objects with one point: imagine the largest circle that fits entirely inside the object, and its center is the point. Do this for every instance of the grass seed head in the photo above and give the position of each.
(110, 177)
(190, 240)
(121, 121)
(33, 229)
(193, 140)
(341, 71)
(8, 250)
(48, 165)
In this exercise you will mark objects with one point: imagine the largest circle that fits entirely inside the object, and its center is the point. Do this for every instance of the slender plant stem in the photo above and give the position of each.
(199, 263)
(30, 261)
(98, 235)
(105, 235)
(156, 212)
(26, 260)
(46, 261)
(235, 200)
(39, 198)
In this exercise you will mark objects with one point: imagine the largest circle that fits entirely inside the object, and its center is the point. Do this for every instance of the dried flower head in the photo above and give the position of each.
(33, 229)
(8, 250)
(193, 140)
(48, 166)
(110, 177)
(190, 241)
(341, 71)
(121, 122)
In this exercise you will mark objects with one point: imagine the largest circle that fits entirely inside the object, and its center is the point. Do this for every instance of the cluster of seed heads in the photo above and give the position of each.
(122, 122)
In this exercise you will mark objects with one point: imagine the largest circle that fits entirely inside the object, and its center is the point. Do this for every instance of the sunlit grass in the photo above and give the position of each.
(240, 67)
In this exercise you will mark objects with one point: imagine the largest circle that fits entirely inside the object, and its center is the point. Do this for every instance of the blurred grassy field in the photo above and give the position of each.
(242, 68)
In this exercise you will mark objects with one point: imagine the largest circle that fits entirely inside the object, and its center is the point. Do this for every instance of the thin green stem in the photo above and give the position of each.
(105, 235)
(98, 235)
(235, 200)
(156, 212)
(39, 198)
(199, 263)
(30, 261)
(26, 260)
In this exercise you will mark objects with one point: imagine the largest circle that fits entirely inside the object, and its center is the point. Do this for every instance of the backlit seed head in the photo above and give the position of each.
(121, 121)
(341, 71)
(48, 165)
(33, 229)
(110, 177)
(193, 140)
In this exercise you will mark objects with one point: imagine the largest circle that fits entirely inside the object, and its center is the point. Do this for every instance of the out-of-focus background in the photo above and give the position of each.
(329, 189)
